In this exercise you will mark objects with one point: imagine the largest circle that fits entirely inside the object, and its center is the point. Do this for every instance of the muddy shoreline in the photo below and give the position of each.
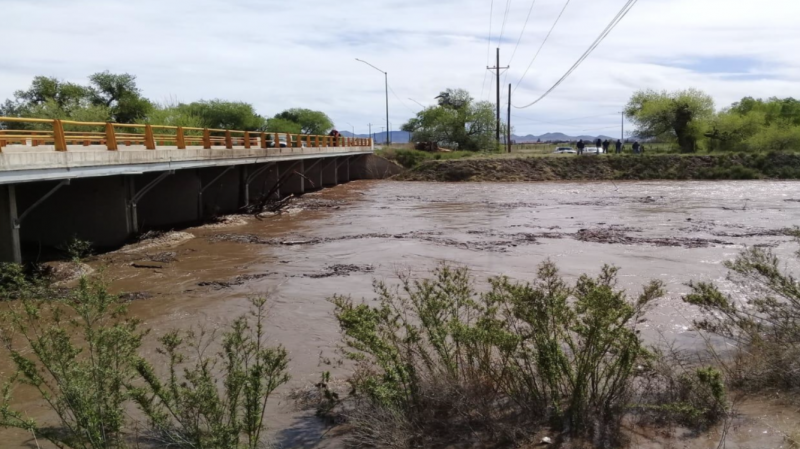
(610, 167)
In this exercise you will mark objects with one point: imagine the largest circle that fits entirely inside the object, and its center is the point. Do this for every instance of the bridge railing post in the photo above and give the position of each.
(206, 139)
(263, 138)
(149, 139)
(60, 140)
(246, 140)
(228, 140)
(111, 138)
(180, 141)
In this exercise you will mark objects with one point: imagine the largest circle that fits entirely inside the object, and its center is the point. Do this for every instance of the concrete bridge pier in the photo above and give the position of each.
(313, 172)
(343, 169)
(258, 180)
(328, 175)
(9, 233)
(219, 191)
(292, 183)
(164, 199)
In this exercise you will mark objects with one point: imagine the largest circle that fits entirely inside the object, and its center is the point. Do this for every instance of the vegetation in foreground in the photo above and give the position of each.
(440, 364)
(78, 350)
(437, 363)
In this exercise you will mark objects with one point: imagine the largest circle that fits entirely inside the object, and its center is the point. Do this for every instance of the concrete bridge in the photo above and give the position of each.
(106, 182)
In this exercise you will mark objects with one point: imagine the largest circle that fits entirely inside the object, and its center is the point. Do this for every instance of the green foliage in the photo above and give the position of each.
(766, 325)
(77, 353)
(543, 350)
(219, 114)
(108, 97)
(311, 122)
(189, 409)
(671, 116)
(280, 125)
(457, 121)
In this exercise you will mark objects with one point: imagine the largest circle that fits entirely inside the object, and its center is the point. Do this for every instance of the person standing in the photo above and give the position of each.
(580, 146)
(598, 144)
(606, 145)
(618, 146)
(636, 147)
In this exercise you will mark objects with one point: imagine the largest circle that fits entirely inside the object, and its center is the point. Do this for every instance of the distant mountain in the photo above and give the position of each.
(380, 137)
(557, 137)
(402, 137)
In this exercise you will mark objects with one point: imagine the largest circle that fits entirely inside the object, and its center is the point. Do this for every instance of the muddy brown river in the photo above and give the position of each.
(339, 240)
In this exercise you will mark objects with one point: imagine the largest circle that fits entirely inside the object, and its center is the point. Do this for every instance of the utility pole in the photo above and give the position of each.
(498, 68)
(508, 124)
(622, 126)
(370, 133)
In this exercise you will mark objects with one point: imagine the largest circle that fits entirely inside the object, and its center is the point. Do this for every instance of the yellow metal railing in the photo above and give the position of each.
(113, 135)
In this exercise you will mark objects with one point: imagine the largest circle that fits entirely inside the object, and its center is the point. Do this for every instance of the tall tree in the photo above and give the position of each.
(679, 116)
(227, 114)
(121, 95)
(311, 122)
(457, 121)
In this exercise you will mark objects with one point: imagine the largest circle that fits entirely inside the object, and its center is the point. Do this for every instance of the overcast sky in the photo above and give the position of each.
(301, 53)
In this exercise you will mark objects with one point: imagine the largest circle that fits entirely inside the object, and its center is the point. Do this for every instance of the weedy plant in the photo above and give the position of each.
(764, 324)
(77, 352)
(189, 409)
(440, 362)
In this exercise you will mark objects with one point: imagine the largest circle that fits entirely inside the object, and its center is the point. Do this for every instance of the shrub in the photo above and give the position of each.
(188, 409)
(77, 353)
(765, 325)
(446, 362)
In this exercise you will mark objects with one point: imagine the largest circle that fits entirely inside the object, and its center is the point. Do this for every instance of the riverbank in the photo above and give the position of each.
(613, 167)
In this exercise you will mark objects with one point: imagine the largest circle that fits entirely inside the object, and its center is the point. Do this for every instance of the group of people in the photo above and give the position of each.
(605, 145)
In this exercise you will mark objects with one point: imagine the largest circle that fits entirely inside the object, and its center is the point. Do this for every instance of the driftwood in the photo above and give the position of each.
(272, 202)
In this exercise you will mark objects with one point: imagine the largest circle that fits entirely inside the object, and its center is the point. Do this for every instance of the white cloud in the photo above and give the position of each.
(278, 54)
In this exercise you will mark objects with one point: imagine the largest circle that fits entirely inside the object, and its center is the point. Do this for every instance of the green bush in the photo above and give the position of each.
(188, 409)
(765, 327)
(77, 353)
(446, 362)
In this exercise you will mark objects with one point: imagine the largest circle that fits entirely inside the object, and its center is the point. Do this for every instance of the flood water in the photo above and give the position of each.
(343, 238)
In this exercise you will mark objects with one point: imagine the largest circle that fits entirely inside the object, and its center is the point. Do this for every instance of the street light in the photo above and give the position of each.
(354, 129)
(386, 79)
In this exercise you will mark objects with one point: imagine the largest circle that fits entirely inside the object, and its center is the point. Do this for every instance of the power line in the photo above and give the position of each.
(567, 120)
(522, 33)
(543, 42)
(488, 47)
(503, 27)
(614, 22)
(513, 53)
(401, 101)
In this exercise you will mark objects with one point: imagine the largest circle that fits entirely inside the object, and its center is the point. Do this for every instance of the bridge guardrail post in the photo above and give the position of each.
(263, 140)
(247, 140)
(149, 139)
(180, 142)
(59, 139)
(206, 139)
(228, 139)
(111, 138)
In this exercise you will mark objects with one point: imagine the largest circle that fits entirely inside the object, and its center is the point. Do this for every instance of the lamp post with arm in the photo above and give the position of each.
(386, 79)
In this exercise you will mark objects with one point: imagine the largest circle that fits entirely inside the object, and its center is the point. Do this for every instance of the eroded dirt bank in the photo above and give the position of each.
(339, 240)
(626, 167)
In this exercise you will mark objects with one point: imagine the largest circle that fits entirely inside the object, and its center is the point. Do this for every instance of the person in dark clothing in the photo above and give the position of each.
(606, 144)
(335, 134)
(598, 143)
(618, 146)
(580, 146)
(636, 147)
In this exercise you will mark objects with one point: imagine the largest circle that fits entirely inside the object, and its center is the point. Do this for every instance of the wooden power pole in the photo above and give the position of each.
(497, 68)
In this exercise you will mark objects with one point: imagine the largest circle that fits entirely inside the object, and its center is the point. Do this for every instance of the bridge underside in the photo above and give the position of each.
(109, 205)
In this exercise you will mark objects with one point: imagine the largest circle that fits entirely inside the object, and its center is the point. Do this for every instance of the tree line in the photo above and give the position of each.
(688, 119)
(110, 97)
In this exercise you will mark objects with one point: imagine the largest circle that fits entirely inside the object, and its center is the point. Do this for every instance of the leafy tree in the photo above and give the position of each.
(280, 125)
(120, 94)
(679, 116)
(757, 125)
(311, 122)
(457, 120)
(226, 114)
